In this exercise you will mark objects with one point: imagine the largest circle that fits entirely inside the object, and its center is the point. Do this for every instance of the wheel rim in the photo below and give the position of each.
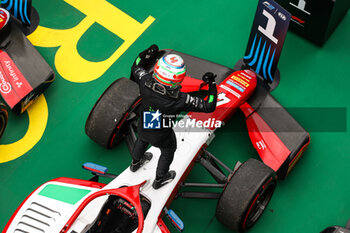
(262, 199)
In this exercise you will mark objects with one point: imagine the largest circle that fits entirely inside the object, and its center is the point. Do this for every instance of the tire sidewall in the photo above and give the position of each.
(106, 121)
(241, 192)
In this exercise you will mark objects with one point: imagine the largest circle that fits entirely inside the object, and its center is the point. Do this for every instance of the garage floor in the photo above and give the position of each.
(50, 142)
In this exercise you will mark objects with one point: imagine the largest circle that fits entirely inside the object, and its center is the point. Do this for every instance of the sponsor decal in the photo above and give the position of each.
(14, 86)
(298, 21)
(268, 5)
(282, 16)
(11, 71)
(240, 82)
(5, 87)
(250, 73)
(235, 86)
(261, 145)
(230, 90)
(173, 59)
(7, 90)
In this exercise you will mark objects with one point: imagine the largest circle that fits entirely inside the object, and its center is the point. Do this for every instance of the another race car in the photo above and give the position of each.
(24, 74)
(338, 229)
(128, 203)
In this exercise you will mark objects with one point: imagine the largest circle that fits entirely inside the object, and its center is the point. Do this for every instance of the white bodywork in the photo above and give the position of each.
(40, 214)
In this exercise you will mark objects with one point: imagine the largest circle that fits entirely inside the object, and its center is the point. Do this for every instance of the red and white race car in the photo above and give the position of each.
(129, 203)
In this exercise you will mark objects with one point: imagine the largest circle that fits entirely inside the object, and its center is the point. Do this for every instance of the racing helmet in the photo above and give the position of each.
(170, 71)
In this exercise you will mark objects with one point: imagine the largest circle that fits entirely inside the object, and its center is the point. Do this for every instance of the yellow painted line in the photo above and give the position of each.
(69, 63)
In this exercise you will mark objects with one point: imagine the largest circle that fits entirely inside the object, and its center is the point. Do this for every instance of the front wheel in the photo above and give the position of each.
(3, 118)
(246, 195)
(111, 114)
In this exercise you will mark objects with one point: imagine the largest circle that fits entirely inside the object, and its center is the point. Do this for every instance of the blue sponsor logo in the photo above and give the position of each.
(151, 120)
(235, 86)
(268, 5)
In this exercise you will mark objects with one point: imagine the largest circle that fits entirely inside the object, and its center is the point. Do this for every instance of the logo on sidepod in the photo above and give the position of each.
(261, 145)
(5, 87)
(10, 69)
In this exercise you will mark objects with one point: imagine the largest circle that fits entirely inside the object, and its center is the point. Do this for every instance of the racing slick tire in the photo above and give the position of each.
(110, 117)
(246, 195)
(3, 118)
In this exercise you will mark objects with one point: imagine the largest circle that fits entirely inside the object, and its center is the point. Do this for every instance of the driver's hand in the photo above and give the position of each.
(151, 52)
(146, 56)
(209, 78)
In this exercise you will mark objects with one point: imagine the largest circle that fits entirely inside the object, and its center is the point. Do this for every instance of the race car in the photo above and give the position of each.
(338, 229)
(128, 203)
(24, 74)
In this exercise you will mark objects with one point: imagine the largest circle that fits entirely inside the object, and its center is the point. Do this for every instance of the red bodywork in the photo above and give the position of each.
(233, 93)
(271, 149)
(13, 85)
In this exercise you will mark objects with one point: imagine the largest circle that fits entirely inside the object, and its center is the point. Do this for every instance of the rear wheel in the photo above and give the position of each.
(246, 195)
(332, 230)
(112, 113)
(3, 118)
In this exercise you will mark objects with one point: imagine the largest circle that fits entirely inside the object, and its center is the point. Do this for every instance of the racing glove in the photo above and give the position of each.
(209, 78)
(143, 59)
(196, 104)
(146, 56)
